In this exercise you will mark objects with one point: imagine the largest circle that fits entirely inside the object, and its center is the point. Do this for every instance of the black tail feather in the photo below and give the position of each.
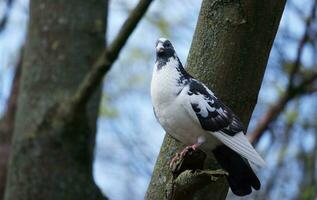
(241, 176)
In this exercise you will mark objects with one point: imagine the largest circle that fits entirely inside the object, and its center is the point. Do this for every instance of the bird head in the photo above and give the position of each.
(164, 48)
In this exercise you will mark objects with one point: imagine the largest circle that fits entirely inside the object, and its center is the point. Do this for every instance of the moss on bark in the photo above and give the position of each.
(229, 53)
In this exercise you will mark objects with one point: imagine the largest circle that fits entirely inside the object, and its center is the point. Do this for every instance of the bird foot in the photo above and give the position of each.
(182, 155)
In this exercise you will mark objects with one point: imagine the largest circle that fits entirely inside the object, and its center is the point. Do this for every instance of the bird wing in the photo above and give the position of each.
(217, 119)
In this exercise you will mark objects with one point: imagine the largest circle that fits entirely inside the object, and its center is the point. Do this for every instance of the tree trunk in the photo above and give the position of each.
(6, 128)
(229, 53)
(49, 161)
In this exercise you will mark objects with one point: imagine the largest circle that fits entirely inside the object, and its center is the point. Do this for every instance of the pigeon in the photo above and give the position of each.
(191, 113)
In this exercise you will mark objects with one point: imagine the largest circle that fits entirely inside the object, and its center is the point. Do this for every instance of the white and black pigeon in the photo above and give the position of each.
(192, 114)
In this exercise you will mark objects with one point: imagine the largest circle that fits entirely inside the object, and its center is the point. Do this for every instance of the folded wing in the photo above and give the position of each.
(218, 120)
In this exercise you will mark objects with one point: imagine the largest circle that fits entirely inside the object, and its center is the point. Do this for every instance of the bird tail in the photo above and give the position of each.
(241, 176)
(240, 144)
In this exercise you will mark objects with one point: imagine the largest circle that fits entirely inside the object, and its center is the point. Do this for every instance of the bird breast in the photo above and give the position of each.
(164, 86)
(167, 103)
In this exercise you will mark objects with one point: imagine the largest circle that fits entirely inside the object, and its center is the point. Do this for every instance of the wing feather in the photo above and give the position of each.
(212, 114)
(240, 144)
(218, 120)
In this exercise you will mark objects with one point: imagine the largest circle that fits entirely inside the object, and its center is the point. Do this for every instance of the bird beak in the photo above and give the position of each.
(159, 47)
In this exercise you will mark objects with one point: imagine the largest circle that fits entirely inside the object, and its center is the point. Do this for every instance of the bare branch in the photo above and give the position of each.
(292, 90)
(127, 28)
(270, 116)
(311, 89)
(308, 81)
(278, 107)
(301, 45)
(104, 62)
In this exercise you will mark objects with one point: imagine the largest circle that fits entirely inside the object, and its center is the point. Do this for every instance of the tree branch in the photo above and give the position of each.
(270, 115)
(104, 62)
(301, 45)
(127, 28)
(278, 107)
(292, 91)
(311, 89)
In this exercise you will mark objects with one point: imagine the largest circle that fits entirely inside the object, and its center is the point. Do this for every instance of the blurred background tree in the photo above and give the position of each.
(128, 137)
(60, 47)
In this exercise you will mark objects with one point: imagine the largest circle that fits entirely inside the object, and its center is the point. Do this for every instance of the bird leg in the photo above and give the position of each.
(189, 148)
(183, 153)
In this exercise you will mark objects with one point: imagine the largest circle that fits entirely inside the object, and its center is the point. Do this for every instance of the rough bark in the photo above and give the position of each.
(6, 128)
(229, 53)
(51, 159)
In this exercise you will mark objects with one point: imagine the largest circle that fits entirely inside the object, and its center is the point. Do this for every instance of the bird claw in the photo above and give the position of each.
(180, 156)
(174, 160)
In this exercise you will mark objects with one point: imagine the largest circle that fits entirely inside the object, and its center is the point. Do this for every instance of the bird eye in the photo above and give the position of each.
(168, 44)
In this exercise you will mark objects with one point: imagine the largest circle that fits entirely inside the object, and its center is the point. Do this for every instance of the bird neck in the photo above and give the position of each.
(162, 60)
(172, 67)
(182, 70)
